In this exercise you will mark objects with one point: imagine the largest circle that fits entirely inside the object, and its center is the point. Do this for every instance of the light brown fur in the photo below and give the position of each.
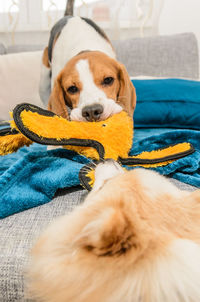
(101, 66)
(113, 241)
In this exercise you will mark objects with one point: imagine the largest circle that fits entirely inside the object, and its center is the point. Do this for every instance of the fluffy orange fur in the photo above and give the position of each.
(11, 143)
(112, 248)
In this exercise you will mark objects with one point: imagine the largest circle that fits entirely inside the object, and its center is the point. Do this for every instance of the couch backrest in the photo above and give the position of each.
(160, 56)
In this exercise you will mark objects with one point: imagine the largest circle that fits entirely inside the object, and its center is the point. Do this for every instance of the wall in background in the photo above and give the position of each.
(179, 16)
(29, 22)
(176, 16)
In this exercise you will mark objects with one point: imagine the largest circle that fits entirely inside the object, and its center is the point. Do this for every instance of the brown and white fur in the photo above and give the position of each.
(80, 77)
(136, 238)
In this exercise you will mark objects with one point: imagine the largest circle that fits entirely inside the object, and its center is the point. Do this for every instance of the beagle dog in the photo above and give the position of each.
(81, 79)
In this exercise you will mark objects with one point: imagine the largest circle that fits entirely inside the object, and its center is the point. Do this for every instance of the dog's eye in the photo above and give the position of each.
(72, 89)
(108, 81)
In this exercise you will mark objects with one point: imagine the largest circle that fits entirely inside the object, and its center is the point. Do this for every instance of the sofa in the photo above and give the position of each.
(162, 56)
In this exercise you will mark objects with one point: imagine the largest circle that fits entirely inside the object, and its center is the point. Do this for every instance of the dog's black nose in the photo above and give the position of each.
(92, 112)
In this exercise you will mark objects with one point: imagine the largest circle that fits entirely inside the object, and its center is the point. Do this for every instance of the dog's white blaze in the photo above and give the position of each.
(70, 42)
(91, 94)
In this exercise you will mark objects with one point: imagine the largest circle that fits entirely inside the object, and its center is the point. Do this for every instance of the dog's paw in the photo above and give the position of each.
(104, 171)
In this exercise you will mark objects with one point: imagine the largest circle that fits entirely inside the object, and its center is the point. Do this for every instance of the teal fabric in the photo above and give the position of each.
(31, 176)
(186, 169)
(167, 103)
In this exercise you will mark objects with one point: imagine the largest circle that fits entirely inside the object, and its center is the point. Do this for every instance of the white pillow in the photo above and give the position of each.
(19, 80)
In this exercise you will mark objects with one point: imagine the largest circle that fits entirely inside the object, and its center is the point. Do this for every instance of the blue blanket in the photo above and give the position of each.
(31, 176)
(167, 103)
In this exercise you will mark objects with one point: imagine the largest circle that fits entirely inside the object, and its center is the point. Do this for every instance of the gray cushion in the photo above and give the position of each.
(160, 56)
(2, 49)
(18, 232)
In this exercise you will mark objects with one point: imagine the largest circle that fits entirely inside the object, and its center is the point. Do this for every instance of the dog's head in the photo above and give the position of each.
(94, 86)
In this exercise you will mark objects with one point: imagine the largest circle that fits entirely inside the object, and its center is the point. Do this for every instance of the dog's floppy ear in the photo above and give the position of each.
(126, 94)
(57, 102)
(110, 233)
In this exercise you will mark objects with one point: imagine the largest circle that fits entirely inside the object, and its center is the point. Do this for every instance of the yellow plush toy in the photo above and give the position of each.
(111, 138)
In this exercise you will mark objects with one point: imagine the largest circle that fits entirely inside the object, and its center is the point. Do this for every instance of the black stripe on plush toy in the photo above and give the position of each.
(51, 141)
(8, 131)
(83, 175)
(29, 107)
(140, 161)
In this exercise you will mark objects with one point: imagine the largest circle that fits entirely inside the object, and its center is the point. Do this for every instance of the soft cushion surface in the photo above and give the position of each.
(17, 235)
(19, 80)
(160, 56)
(170, 103)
